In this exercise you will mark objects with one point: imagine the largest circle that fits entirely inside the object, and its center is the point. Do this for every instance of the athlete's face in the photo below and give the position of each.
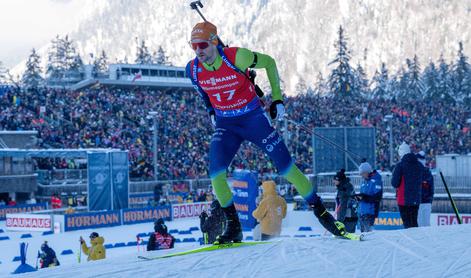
(204, 50)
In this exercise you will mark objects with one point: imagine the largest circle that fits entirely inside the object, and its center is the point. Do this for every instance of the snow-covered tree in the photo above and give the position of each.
(32, 76)
(381, 86)
(55, 60)
(462, 76)
(445, 80)
(63, 60)
(100, 64)
(430, 78)
(160, 58)
(2, 73)
(361, 85)
(69, 52)
(321, 86)
(341, 79)
(415, 85)
(143, 55)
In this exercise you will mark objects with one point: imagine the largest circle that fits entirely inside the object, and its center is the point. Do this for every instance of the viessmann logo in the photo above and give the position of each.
(213, 81)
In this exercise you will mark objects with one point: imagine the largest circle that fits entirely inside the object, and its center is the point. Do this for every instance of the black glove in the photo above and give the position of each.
(203, 214)
(358, 197)
(277, 110)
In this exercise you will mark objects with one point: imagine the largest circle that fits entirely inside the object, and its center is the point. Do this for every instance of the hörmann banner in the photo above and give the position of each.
(20, 209)
(91, 220)
(148, 214)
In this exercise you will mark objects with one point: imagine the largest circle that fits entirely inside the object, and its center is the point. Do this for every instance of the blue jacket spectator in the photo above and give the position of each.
(371, 193)
(428, 188)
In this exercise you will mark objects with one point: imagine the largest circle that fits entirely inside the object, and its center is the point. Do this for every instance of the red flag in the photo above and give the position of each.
(137, 76)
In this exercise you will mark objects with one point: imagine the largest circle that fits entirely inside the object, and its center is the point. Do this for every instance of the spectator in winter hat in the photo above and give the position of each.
(47, 256)
(96, 251)
(407, 178)
(346, 205)
(371, 193)
(425, 207)
(212, 224)
(404, 149)
(160, 239)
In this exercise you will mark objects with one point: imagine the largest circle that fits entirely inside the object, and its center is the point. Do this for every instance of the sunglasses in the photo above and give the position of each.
(201, 45)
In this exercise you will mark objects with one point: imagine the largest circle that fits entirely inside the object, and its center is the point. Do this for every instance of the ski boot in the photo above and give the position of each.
(337, 228)
(233, 230)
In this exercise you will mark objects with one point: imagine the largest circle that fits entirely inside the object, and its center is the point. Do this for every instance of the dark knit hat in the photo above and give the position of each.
(340, 176)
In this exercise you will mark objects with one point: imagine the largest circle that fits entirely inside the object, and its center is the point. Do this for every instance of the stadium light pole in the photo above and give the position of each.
(388, 119)
(155, 127)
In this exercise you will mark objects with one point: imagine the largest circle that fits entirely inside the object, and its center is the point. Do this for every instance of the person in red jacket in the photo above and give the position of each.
(160, 239)
(56, 202)
(11, 202)
(407, 178)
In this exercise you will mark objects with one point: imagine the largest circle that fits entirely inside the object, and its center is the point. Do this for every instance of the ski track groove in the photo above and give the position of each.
(403, 235)
(364, 262)
(386, 259)
(253, 263)
(406, 250)
(393, 262)
(452, 266)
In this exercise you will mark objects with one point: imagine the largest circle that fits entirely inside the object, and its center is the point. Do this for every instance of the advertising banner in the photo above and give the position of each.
(245, 190)
(20, 209)
(91, 220)
(99, 181)
(143, 215)
(388, 221)
(120, 180)
(140, 198)
(29, 222)
(189, 210)
(449, 219)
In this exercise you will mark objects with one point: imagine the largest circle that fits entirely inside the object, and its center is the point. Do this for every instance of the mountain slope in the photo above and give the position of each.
(298, 33)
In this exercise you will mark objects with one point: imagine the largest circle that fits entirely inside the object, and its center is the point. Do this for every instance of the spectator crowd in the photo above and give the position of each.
(119, 118)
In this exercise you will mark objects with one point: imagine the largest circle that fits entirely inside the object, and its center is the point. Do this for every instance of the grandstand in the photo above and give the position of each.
(17, 176)
(112, 111)
(132, 75)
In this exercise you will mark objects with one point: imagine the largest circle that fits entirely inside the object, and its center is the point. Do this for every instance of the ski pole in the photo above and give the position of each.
(194, 6)
(138, 243)
(37, 259)
(451, 199)
(79, 254)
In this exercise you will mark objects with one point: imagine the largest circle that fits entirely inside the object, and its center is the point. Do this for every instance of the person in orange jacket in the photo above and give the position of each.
(270, 212)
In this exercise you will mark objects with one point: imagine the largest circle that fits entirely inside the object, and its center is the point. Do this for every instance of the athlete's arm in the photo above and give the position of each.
(203, 95)
(246, 58)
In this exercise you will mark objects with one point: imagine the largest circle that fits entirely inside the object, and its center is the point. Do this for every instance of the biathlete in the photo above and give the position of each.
(220, 75)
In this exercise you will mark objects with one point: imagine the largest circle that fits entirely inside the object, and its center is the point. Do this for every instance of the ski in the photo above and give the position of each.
(352, 236)
(206, 249)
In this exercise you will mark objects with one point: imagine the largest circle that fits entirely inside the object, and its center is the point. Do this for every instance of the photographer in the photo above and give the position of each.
(212, 225)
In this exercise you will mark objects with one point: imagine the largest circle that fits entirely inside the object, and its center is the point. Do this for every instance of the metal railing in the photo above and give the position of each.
(457, 185)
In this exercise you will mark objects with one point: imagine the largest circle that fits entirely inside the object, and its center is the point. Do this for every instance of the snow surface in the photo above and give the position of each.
(440, 251)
